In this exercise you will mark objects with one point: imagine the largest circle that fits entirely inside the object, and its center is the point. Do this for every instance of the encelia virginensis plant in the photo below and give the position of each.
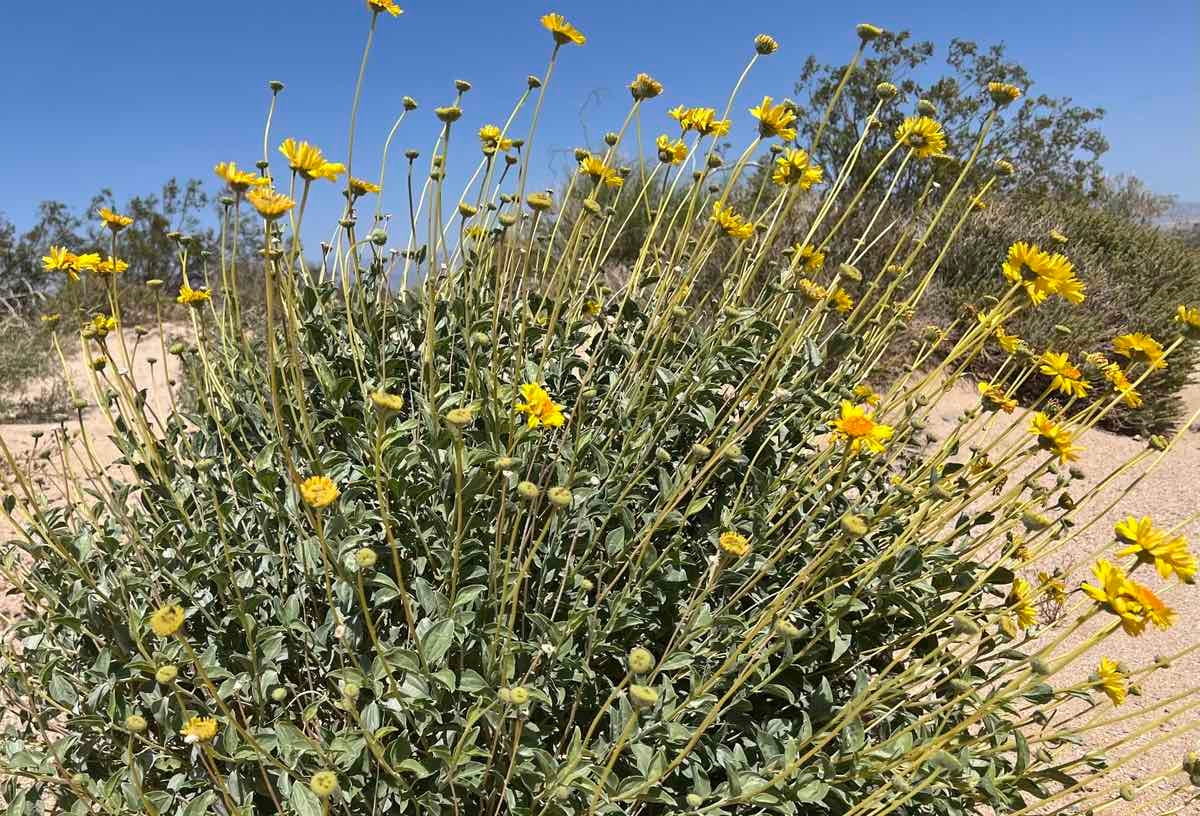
(500, 539)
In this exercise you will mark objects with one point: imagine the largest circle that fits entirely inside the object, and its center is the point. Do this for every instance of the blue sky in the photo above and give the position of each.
(126, 94)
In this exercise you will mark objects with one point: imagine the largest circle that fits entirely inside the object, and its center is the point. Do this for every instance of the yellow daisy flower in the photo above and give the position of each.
(360, 187)
(1133, 603)
(539, 407)
(1170, 555)
(492, 139)
(670, 152)
(309, 161)
(385, 5)
(794, 167)
(1067, 379)
(1020, 602)
(319, 491)
(734, 543)
(731, 223)
(166, 620)
(1111, 681)
(114, 221)
(199, 729)
(270, 204)
(238, 180)
(995, 399)
(594, 168)
(860, 430)
(1054, 438)
(192, 297)
(562, 31)
(922, 135)
(775, 120)
(1141, 348)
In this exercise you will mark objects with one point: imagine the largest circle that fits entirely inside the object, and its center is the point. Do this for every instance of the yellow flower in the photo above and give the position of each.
(360, 187)
(731, 223)
(842, 301)
(1111, 681)
(111, 266)
(594, 168)
(1121, 384)
(492, 139)
(269, 203)
(645, 86)
(319, 491)
(1054, 438)
(238, 180)
(1133, 603)
(61, 259)
(1189, 316)
(192, 297)
(1152, 546)
(670, 152)
(734, 543)
(114, 221)
(811, 259)
(1141, 348)
(199, 729)
(860, 429)
(995, 399)
(539, 408)
(1067, 378)
(563, 31)
(1053, 586)
(323, 783)
(765, 44)
(101, 325)
(1042, 274)
(166, 620)
(775, 120)
(1008, 342)
(867, 394)
(702, 120)
(385, 5)
(309, 161)
(387, 403)
(592, 307)
(922, 135)
(795, 167)
(811, 291)
(1020, 601)
(1003, 93)
(88, 262)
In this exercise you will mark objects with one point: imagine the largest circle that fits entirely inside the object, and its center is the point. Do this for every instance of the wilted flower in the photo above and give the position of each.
(645, 86)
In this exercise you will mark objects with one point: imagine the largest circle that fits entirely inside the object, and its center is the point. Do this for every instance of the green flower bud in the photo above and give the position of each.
(279, 694)
(518, 695)
(166, 674)
(136, 723)
(365, 558)
(560, 497)
(643, 696)
(528, 491)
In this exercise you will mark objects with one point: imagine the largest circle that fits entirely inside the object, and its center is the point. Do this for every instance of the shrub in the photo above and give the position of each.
(509, 541)
(1136, 276)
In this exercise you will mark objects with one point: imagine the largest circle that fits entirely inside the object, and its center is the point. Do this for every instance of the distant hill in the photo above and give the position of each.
(1182, 213)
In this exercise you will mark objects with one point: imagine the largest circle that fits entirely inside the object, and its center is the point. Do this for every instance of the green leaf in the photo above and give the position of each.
(436, 642)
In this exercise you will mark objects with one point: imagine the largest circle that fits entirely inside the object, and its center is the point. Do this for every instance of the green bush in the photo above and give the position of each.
(1136, 276)
(509, 541)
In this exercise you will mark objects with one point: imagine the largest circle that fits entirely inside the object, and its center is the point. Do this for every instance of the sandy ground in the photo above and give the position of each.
(1169, 494)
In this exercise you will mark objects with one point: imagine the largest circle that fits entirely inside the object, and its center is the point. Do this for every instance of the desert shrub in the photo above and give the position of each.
(31, 386)
(511, 541)
(1136, 276)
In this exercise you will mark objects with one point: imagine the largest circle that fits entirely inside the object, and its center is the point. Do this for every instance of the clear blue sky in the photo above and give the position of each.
(125, 94)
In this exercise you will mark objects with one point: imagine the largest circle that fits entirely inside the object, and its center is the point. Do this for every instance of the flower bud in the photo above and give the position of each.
(640, 660)
(136, 723)
(926, 108)
(765, 44)
(886, 91)
(643, 696)
(166, 674)
(528, 491)
(560, 497)
(867, 32)
(365, 558)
